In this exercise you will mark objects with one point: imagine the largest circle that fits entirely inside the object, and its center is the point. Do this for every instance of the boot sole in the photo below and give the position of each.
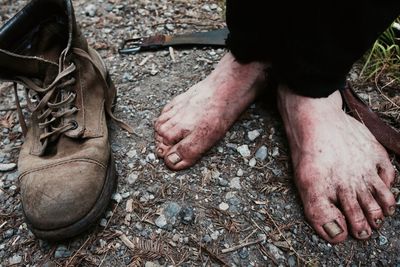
(92, 217)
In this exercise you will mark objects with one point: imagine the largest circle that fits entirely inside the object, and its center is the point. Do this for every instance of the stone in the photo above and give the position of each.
(235, 183)
(262, 153)
(223, 206)
(5, 167)
(16, 259)
(187, 215)
(244, 151)
(161, 221)
(117, 197)
(252, 162)
(62, 252)
(90, 10)
(276, 252)
(132, 178)
(252, 135)
(132, 153)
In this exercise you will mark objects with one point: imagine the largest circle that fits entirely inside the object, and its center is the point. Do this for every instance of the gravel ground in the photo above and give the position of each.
(238, 206)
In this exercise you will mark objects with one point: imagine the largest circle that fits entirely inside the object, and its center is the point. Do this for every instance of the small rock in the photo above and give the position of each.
(11, 177)
(170, 27)
(103, 222)
(240, 173)
(7, 167)
(62, 252)
(132, 178)
(16, 259)
(117, 197)
(252, 135)
(244, 151)
(161, 221)
(276, 252)
(262, 153)
(223, 206)
(243, 253)
(292, 261)
(382, 240)
(151, 157)
(207, 239)
(214, 235)
(132, 153)
(222, 182)
(252, 162)
(275, 152)
(235, 183)
(151, 264)
(90, 10)
(9, 233)
(187, 215)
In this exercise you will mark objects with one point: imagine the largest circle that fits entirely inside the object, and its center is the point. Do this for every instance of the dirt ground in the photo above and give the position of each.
(232, 208)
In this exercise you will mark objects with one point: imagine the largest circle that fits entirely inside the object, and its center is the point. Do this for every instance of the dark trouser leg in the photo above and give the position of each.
(311, 46)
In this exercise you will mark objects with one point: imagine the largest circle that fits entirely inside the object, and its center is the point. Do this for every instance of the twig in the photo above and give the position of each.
(212, 255)
(76, 253)
(226, 250)
(4, 223)
(126, 241)
(102, 260)
(281, 234)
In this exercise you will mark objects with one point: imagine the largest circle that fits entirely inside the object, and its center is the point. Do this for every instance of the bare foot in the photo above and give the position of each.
(195, 120)
(342, 173)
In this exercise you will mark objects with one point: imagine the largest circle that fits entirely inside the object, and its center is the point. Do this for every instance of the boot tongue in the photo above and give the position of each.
(13, 65)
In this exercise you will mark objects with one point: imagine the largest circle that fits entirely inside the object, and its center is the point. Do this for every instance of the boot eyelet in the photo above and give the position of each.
(74, 124)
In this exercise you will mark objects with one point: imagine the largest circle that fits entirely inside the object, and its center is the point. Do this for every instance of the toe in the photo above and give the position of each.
(384, 197)
(359, 225)
(371, 208)
(165, 117)
(326, 219)
(386, 172)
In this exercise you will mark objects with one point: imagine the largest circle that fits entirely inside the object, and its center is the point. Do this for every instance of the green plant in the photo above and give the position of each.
(383, 60)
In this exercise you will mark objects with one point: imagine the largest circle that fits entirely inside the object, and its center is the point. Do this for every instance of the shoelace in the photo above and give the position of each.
(48, 113)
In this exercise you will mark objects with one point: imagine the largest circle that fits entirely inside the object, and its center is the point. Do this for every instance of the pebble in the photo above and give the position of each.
(62, 252)
(11, 177)
(252, 162)
(132, 178)
(223, 206)
(382, 240)
(9, 233)
(161, 221)
(151, 264)
(16, 259)
(207, 239)
(292, 261)
(170, 27)
(7, 167)
(151, 157)
(117, 197)
(235, 183)
(276, 252)
(90, 10)
(214, 235)
(262, 153)
(243, 253)
(244, 151)
(187, 215)
(275, 152)
(252, 135)
(168, 215)
(240, 173)
(222, 182)
(132, 153)
(103, 222)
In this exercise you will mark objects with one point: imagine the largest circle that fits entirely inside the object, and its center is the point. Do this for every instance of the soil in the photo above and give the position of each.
(229, 209)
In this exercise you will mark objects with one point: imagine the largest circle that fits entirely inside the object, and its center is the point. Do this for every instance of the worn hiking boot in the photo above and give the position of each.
(67, 173)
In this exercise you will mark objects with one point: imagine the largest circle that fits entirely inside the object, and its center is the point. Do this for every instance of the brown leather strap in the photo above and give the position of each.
(385, 134)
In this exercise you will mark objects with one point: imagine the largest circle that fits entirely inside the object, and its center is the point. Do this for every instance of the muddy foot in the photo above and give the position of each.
(342, 173)
(195, 120)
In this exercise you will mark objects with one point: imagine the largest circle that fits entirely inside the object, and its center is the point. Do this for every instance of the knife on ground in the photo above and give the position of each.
(207, 38)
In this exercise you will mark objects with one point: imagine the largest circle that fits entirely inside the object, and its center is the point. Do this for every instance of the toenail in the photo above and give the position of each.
(363, 234)
(174, 158)
(160, 151)
(392, 209)
(378, 222)
(333, 229)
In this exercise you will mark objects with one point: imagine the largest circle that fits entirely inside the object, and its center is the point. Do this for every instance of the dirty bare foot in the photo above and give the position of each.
(195, 120)
(341, 171)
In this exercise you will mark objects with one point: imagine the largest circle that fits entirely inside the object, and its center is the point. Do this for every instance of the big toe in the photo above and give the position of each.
(327, 220)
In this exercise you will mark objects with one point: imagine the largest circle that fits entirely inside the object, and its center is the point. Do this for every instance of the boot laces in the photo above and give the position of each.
(52, 105)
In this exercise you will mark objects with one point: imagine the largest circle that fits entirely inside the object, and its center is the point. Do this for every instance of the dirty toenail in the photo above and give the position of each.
(392, 209)
(363, 234)
(160, 151)
(378, 222)
(333, 229)
(174, 158)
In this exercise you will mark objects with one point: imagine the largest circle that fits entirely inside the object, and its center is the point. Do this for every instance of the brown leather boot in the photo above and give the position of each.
(67, 173)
